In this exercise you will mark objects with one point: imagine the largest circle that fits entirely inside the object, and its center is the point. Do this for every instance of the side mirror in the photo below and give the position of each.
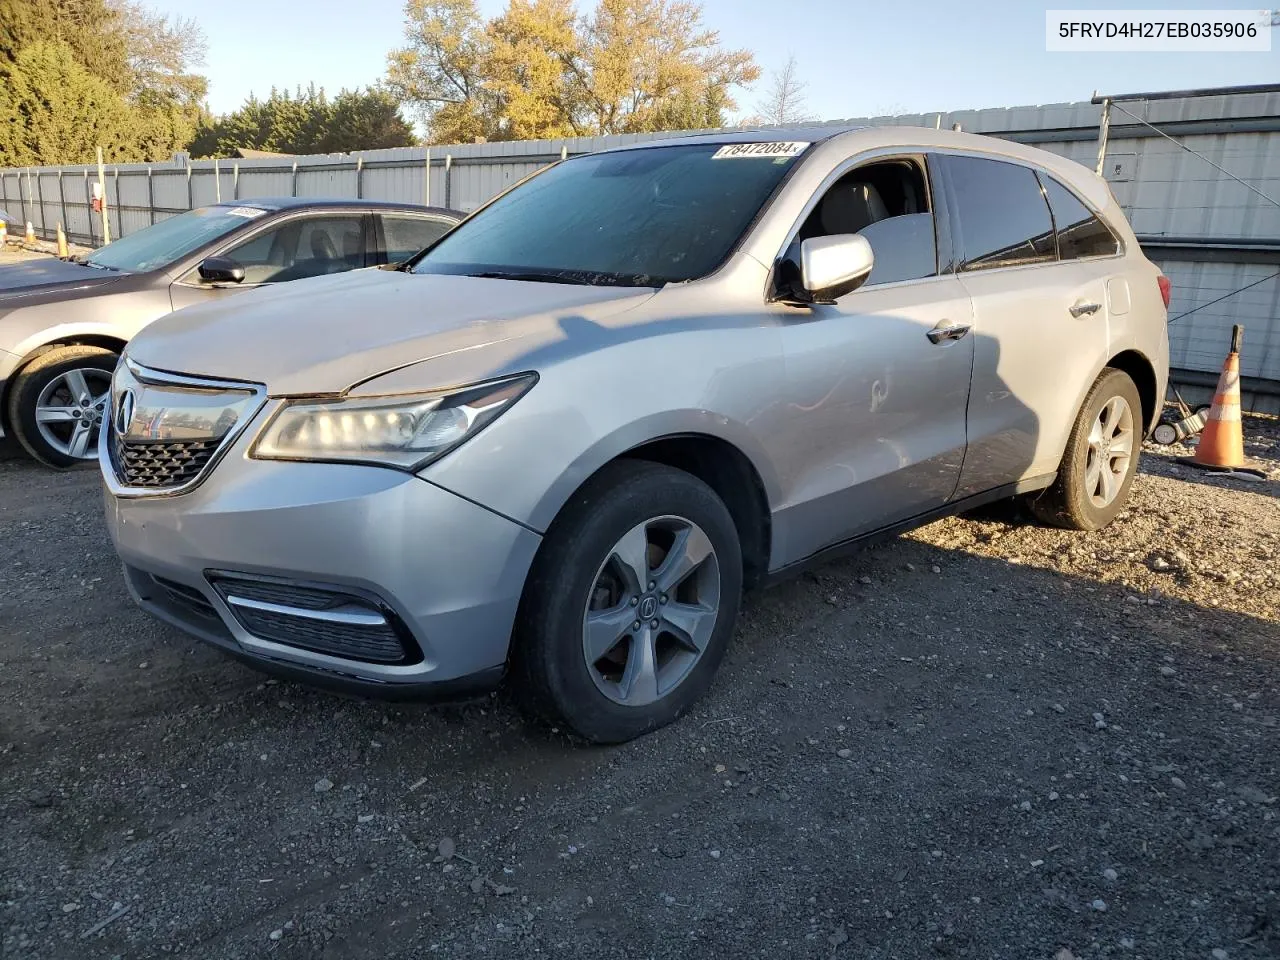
(832, 266)
(221, 270)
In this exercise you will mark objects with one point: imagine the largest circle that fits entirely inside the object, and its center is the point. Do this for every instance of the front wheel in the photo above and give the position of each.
(58, 403)
(1100, 460)
(630, 604)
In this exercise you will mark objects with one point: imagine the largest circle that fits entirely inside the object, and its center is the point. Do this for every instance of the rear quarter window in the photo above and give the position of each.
(1081, 232)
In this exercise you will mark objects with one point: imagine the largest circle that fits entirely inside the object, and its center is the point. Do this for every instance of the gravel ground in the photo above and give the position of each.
(986, 739)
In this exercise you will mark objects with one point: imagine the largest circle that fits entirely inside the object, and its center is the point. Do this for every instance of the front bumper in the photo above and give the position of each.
(447, 572)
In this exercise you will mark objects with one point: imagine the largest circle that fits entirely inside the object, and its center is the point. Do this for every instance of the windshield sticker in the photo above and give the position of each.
(786, 150)
(247, 212)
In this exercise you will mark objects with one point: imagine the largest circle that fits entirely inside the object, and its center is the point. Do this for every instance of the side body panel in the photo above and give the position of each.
(874, 427)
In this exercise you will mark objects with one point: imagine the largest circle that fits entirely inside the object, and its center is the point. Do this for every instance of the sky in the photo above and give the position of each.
(857, 57)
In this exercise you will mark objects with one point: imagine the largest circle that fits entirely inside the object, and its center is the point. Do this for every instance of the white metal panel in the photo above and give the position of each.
(327, 182)
(1200, 340)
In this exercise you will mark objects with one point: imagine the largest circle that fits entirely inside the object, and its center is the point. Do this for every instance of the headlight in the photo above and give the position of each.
(401, 431)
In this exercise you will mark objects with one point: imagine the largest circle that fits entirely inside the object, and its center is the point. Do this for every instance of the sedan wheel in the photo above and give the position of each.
(70, 410)
(59, 402)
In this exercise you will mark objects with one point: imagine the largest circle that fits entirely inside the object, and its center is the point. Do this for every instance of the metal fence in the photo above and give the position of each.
(1209, 233)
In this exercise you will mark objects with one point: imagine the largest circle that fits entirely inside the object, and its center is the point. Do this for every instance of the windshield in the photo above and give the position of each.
(169, 240)
(641, 217)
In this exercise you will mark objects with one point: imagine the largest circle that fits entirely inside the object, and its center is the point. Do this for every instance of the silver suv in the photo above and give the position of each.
(561, 442)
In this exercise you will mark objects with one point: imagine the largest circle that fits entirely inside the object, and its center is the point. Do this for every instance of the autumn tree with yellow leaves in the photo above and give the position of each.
(541, 70)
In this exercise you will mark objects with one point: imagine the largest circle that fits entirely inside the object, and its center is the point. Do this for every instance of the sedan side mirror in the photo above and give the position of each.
(221, 270)
(832, 266)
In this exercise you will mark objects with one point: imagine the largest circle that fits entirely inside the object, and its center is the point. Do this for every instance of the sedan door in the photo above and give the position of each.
(877, 381)
(294, 247)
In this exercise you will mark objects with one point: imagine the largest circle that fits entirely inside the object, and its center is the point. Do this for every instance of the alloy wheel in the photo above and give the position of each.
(651, 611)
(1111, 441)
(70, 410)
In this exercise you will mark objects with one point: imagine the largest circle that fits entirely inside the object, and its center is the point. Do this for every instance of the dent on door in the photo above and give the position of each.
(876, 410)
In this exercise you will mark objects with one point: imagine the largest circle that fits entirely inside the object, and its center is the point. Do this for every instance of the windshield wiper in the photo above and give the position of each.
(86, 262)
(532, 277)
(589, 278)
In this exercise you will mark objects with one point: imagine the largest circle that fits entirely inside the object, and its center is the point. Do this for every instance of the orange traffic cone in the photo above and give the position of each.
(31, 233)
(4, 234)
(1222, 441)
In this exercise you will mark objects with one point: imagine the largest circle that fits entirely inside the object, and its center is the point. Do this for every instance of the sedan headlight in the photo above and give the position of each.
(398, 431)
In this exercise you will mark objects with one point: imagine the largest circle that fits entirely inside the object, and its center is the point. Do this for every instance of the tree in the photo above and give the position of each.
(53, 110)
(785, 101)
(307, 122)
(147, 60)
(89, 28)
(439, 69)
(540, 70)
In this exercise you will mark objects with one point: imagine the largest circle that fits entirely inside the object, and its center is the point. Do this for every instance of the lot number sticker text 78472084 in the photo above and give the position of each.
(734, 151)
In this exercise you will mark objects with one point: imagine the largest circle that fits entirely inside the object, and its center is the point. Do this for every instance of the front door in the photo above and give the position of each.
(879, 380)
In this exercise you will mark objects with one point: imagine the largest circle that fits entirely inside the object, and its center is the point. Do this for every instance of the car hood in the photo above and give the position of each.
(328, 334)
(50, 276)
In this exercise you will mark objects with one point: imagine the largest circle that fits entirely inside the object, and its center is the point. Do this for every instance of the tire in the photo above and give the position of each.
(579, 571)
(1076, 500)
(48, 380)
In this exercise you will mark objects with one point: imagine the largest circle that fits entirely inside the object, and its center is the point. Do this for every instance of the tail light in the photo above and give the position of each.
(1166, 289)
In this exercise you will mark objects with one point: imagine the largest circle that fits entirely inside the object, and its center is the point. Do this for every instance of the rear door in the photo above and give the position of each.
(401, 235)
(1041, 321)
(292, 248)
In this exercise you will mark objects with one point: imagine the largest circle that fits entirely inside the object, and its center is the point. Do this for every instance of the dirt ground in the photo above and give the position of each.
(986, 739)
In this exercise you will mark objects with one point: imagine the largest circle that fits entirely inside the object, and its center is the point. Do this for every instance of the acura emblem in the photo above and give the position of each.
(124, 412)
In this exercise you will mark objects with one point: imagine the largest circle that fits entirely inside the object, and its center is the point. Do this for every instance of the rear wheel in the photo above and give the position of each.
(1100, 459)
(58, 403)
(630, 605)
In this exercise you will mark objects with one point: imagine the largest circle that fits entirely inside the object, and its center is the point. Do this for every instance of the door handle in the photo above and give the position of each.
(1081, 307)
(945, 332)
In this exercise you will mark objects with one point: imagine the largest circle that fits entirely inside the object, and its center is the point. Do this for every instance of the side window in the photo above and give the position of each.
(888, 203)
(1004, 219)
(307, 247)
(405, 236)
(1081, 232)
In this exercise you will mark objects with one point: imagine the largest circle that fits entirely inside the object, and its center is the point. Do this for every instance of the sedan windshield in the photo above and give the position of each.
(642, 217)
(169, 240)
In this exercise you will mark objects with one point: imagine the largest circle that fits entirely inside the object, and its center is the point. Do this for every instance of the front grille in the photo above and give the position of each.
(160, 463)
(313, 617)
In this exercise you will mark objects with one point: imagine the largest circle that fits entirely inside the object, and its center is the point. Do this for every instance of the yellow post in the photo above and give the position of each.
(63, 252)
(102, 185)
(4, 234)
(31, 233)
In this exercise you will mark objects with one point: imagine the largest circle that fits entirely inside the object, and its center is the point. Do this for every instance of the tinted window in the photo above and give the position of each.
(405, 236)
(641, 217)
(1004, 220)
(307, 247)
(1080, 232)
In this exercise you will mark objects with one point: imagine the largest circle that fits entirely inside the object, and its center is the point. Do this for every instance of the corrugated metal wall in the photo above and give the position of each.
(1166, 192)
